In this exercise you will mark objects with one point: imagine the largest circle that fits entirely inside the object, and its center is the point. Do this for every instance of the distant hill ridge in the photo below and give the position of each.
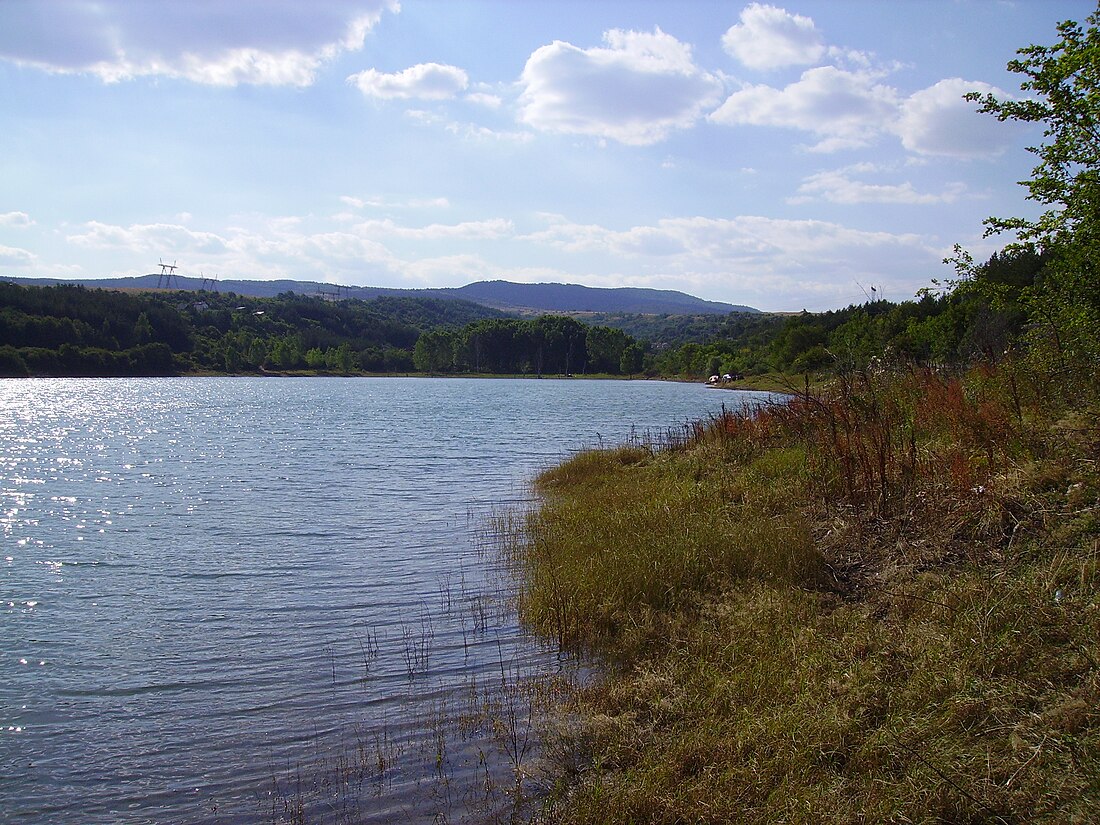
(503, 295)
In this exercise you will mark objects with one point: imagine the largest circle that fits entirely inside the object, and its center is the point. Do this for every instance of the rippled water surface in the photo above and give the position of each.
(206, 584)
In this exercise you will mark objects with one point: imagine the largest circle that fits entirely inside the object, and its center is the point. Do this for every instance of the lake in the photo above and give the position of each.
(255, 599)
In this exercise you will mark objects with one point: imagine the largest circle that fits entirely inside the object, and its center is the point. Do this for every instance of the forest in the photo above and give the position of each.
(79, 331)
(953, 327)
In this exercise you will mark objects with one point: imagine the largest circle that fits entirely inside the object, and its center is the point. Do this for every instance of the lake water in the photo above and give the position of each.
(242, 600)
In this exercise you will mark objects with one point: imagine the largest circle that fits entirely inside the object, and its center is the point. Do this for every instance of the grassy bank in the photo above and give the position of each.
(875, 603)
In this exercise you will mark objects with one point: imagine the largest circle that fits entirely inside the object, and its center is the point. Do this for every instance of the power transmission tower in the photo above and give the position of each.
(167, 273)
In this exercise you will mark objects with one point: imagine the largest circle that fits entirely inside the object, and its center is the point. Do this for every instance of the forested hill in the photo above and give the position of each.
(535, 299)
(73, 330)
(576, 298)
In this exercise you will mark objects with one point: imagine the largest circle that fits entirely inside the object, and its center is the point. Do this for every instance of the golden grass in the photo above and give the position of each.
(877, 604)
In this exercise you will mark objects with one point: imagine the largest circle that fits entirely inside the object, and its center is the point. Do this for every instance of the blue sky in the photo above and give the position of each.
(785, 156)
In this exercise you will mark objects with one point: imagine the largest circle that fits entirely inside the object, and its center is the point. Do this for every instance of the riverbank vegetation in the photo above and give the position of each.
(879, 601)
(876, 603)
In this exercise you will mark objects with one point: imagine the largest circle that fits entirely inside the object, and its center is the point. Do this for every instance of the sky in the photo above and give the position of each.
(785, 156)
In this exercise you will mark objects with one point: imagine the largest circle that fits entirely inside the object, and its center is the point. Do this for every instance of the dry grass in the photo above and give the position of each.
(874, 604)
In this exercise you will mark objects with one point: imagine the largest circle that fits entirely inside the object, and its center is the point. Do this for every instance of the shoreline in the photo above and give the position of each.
(824, 608)
(770, 383)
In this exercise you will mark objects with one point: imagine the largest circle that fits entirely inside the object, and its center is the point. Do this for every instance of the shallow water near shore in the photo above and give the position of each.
(209, 587)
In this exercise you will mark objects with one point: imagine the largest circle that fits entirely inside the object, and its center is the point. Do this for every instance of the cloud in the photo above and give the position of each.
(156, 238)
(845, 109)
(838, 186)
(938, 121)
(768, 262)
(12, 256)
(381, 202)
(450, 270)
(281, 43)
(420, 203)
(636, 89)
(489, 101)
(469, 131)
(724, 242)
(15, 219)
(429, 81)
(494, 228)
(288, 247)
(772, 38)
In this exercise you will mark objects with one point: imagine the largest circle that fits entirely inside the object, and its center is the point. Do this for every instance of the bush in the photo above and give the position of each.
(12, 364)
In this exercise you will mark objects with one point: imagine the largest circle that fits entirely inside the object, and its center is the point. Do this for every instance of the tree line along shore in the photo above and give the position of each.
(70, 330)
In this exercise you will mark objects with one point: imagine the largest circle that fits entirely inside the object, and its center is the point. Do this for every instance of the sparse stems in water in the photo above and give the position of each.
(368, 648)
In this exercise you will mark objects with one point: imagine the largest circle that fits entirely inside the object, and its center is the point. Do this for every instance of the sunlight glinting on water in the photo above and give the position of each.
(208, 585)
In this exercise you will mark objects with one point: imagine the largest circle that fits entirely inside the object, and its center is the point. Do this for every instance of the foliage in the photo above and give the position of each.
(669, 331)
(73, 330)
(949, 329)
(1062, 83)
(550, 344)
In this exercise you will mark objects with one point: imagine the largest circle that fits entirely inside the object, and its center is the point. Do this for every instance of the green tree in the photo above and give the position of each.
(800, 334)
(559, 343)
(1062, 83)
(256, 352)
(143, 330)
(286, 352)
(340, 359)
(632, 359)
(605, 347)
(434, 351)
(12, 363)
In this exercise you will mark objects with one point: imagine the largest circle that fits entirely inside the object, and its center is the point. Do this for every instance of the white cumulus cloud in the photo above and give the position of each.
(13, 256)
(844, 109)
(15, 219)
(493, 228)
(840, 186)
(771, 38)
(724, 241)
(938, 121)
(147, 238)
(282, 42)
(636, 88)
(428, 81)
(781, 263)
